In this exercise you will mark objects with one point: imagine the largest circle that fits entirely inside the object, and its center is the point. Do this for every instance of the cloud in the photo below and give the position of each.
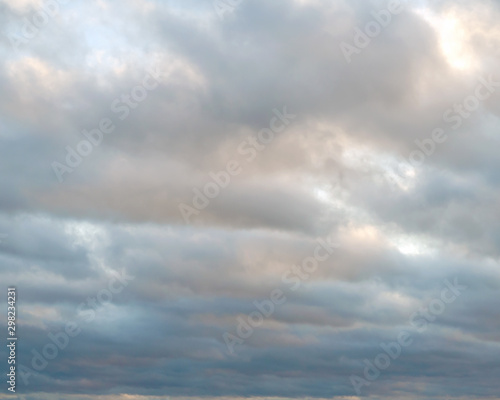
(342, 169)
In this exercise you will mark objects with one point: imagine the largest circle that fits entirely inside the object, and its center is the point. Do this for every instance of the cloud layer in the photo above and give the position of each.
(117, 116)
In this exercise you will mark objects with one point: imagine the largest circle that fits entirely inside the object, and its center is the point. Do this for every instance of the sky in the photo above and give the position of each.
(251, 199)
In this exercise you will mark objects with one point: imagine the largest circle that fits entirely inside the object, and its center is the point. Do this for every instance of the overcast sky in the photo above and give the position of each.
(189, 163)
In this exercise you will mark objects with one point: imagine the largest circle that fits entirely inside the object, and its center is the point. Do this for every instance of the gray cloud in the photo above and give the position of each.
(340, 169)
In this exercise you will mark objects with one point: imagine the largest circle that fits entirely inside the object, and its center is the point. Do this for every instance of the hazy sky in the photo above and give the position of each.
(329, 168)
